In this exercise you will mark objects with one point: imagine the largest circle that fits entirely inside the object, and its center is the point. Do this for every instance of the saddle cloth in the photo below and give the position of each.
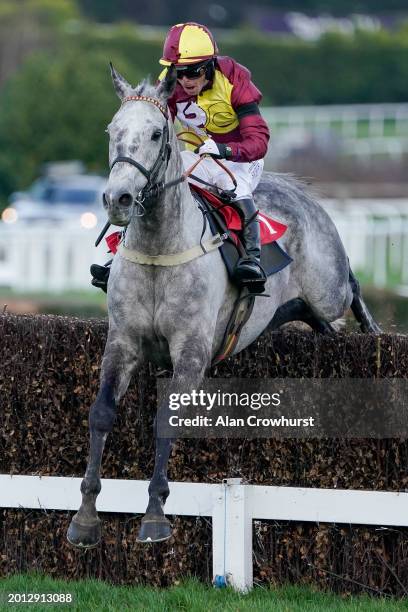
(226, 218)
(271, 229)
(273, 257)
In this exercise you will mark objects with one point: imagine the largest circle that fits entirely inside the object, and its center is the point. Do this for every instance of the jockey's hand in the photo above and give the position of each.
(215, 149)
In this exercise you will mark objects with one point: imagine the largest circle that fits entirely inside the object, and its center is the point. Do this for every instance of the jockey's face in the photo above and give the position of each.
(192, 86)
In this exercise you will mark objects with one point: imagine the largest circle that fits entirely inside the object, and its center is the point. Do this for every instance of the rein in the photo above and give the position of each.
(228, 194)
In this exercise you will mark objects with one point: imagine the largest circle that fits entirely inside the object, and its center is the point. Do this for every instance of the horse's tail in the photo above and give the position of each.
(359, 307)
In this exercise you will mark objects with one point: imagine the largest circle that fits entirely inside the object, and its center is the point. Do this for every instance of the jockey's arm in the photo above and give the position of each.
(253, 138)
(254, 134)
(253, 129)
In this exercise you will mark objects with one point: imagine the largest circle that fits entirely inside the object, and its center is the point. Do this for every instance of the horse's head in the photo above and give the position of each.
(138, 144)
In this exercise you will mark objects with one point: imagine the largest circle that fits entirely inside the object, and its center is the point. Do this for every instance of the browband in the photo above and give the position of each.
(147, 99)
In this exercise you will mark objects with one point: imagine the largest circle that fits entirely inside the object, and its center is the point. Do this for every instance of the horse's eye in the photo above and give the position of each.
(156, 134)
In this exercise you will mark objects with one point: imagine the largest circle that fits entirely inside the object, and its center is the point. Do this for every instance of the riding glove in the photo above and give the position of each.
(215, 149)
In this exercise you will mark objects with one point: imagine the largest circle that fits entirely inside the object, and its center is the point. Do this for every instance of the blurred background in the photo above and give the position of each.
(334, 76)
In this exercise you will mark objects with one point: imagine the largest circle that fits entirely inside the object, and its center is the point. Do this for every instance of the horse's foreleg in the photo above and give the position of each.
(188, 374)
(85, 528)
(155, 527)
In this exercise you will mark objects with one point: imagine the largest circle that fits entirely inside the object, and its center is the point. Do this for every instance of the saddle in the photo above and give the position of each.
(224, 219)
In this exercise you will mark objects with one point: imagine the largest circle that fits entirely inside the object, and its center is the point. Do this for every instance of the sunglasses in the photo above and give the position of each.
(191, 72)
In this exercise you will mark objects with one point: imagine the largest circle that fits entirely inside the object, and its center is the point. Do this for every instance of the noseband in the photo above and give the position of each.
(151, 188)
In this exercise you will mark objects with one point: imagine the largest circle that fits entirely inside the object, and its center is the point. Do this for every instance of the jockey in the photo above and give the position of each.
(216, 100)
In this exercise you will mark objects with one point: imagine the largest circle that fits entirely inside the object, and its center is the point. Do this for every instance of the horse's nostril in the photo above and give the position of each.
(125, 199)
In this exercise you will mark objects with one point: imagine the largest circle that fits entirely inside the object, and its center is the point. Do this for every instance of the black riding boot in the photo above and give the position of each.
(100, 275)
(248, 270)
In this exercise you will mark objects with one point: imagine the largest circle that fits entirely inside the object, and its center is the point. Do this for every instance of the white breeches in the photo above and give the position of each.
(247, 174)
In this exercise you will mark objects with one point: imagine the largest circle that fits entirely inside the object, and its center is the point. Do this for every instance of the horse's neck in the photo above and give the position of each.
(171, 224)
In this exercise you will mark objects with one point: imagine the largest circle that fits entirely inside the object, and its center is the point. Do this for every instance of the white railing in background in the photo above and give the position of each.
(364, 130)
(41, 258)
(232, 505)
(46, 258)
(375, 236)
(348, 119)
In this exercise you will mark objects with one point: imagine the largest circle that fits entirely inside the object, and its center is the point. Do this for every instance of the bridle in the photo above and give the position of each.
(152, 188)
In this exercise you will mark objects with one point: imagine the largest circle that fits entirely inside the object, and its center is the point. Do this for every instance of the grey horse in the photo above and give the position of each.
(177, 314)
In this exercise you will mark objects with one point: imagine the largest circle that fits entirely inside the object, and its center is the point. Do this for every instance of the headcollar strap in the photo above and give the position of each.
(147, 99)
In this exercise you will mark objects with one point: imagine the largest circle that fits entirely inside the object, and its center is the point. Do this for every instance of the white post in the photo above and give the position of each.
(404, 260)
(36, 270)
(58, 247)
(376, 122)
(380, 254)
(232, 535)
(350, 123)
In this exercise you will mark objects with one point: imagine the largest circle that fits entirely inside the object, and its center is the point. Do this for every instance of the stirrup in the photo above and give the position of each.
(251, 276)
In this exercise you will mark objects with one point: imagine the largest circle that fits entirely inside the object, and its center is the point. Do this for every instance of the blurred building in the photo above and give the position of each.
(312, 27)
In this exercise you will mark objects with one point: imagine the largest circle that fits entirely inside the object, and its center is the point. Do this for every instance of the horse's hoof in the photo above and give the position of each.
(154, 529)
(84, 534)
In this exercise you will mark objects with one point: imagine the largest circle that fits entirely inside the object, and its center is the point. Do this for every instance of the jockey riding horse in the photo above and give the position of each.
(216, 101)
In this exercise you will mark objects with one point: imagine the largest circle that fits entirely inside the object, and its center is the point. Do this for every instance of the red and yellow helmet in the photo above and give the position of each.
(188, 43)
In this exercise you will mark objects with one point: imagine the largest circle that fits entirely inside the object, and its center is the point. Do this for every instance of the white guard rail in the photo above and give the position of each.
(54, 259)
(231, 505)
(47, 258)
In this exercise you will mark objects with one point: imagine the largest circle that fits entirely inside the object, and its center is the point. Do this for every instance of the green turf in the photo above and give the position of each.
(191, 596)
(82, 304)
(90, 296)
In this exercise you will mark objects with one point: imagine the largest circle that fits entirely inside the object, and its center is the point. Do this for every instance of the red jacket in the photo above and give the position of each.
(227, 110)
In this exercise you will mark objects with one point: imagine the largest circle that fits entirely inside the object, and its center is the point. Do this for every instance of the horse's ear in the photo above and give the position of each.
(122, 87)
(168, 84)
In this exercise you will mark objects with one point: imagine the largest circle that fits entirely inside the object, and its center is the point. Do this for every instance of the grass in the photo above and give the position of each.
(82, 304)
(191, 596)
(90, 296)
